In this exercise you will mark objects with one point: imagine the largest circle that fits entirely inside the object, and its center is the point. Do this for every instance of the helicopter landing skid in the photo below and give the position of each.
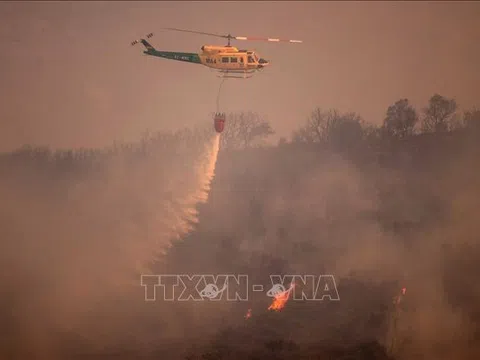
(234, 74)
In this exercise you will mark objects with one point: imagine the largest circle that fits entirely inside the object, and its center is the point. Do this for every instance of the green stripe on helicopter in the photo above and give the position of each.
(179, 56)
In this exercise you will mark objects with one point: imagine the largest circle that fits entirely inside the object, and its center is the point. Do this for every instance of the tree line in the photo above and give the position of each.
(330, 128)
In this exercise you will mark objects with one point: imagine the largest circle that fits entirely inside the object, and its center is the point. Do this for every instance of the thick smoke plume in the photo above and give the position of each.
(81, 239)
(76, 239)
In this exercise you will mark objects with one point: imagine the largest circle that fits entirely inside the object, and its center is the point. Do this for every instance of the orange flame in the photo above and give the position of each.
(281, 299)
(398, 298)
(248, 315)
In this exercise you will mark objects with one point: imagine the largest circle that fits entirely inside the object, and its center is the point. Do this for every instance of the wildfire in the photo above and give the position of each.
(399, 298)
(281, 299)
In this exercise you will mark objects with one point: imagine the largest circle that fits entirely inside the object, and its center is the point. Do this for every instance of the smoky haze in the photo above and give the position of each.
(382, 199)
(379, 213)
(79, 231)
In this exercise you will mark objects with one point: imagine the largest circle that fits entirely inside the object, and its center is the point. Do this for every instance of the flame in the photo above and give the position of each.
(281, 299)
(398, 298)
(248, 315)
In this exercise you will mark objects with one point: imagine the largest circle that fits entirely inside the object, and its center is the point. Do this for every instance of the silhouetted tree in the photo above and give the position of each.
(245, 129)
(439, 115)
(400, 120)
(331, 128)
(471, 119)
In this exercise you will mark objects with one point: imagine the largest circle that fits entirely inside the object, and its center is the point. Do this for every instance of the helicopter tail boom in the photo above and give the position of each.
(147, 45)
(171, 55)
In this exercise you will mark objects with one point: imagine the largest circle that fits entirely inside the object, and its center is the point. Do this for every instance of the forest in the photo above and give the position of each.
(381, 207)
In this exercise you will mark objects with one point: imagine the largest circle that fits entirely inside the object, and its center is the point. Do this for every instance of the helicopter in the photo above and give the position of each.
(228, 61)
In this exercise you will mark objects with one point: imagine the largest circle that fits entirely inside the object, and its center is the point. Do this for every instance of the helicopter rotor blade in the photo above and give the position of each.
(229, 36)
(265, 39)
(198, 32)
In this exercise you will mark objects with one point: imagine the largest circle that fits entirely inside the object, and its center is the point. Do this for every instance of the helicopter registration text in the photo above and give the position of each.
(181, 57)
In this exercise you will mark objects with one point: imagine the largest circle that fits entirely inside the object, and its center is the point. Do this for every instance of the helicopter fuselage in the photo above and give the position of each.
(230, 58)
(225, 59)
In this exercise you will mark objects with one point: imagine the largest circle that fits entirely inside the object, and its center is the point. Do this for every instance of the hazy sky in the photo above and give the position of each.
(69, 77)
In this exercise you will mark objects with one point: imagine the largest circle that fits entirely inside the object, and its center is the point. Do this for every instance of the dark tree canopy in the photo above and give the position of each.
(331, 128)
(471, 119)
(439, 115)
(401, 119)
(245, 129)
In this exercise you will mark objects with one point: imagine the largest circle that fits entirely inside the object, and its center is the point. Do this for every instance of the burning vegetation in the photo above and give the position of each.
(382, 209)
(281, 299)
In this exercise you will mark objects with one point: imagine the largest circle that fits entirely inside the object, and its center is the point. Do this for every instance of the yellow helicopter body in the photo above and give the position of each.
(229, 61)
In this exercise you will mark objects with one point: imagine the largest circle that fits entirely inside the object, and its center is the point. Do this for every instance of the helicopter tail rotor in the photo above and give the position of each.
(148, 36)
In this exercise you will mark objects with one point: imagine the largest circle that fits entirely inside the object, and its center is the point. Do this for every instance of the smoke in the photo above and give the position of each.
(77, 242)
(412, 224)
(442, 261)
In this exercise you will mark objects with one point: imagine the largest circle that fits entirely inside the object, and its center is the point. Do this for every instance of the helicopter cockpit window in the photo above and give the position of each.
(225, 59)
(250, 59)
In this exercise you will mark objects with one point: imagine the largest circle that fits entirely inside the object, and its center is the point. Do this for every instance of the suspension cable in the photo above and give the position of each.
(218, 95)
